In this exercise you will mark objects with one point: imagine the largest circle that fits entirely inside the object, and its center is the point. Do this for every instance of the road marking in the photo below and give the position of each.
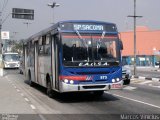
(145, 82)
(33, 107)
(26, 99)
(155, 79)
(137, 101)
(18, 90)
(136, 81)
(129, 88)
(150, 84)
(140, 77)
(22, 94)
(155, 86)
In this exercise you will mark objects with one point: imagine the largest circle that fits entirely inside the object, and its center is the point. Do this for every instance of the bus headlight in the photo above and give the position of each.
(117, 79)
(65, 80)
(113, 80)
(71, 81)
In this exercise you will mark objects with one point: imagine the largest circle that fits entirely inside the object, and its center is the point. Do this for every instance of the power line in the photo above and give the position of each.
(4, 5)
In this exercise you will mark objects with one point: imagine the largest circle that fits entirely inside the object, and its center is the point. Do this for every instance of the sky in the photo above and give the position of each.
(115, 11)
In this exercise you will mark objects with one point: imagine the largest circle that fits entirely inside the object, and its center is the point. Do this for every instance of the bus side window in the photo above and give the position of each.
(47, 46)
(47, 50)
(41, 50)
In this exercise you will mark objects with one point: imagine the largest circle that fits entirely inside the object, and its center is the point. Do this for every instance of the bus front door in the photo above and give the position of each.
(54, 59)
(36, 61)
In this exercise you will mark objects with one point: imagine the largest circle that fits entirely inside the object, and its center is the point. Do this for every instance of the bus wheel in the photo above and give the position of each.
(98, 93)
(49, 89)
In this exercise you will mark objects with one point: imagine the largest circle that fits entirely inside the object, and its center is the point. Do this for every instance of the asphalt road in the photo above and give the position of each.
(31, 102)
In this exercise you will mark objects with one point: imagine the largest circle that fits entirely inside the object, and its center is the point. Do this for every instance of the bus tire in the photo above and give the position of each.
(29, 78)
(98, 93)
(49, 89)
(126, 82)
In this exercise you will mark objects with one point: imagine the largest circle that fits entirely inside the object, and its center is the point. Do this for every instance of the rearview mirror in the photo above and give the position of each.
(121, 44)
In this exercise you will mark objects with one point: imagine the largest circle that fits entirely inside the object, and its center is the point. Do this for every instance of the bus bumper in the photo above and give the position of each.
(11, 65)
(90, 87)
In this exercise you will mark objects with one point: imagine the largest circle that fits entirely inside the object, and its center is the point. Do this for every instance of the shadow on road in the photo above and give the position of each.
(7, 71)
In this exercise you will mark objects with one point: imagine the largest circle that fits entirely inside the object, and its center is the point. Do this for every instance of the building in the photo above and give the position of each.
(147, 44)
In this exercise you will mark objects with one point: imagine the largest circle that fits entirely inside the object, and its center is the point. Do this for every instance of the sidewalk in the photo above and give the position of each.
(146, 72)
(144, 68)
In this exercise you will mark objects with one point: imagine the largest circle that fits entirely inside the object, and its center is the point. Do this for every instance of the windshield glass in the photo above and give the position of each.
(11, 57)
(79, 49)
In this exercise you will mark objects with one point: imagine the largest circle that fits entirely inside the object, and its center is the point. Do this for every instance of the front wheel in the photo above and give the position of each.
(127, 82)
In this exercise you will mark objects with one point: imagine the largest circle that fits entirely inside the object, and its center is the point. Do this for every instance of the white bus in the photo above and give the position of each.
(11, 60)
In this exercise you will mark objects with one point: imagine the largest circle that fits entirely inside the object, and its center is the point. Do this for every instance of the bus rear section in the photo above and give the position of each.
(11, 60)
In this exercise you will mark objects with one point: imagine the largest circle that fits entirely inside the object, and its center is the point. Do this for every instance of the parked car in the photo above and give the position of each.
(126, 75)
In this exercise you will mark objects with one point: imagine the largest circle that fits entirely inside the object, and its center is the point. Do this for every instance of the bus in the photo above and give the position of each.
(11, 60)
(75, 56)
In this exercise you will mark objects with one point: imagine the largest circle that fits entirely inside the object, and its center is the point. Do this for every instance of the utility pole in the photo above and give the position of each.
(27, 23)
(1, 63)
(135, 49)
(0, 32)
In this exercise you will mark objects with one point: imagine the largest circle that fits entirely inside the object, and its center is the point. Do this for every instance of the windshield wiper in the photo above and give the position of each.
(102, 36)
(98, 43)
(80, 37)
(84, 43)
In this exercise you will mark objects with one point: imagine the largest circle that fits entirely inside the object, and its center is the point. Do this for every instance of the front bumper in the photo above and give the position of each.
(11, 65)
(90, 87)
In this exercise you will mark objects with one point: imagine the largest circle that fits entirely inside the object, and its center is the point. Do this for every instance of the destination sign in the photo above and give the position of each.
(88, 27)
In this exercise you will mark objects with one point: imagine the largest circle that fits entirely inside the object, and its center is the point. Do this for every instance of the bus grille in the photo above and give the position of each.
(94, 87)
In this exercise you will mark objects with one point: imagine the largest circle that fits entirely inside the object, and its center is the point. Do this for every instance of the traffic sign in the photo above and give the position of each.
(5, 35)
(23, 13)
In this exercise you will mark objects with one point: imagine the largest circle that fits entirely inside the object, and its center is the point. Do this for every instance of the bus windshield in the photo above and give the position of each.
(11, 57)
(89, 49)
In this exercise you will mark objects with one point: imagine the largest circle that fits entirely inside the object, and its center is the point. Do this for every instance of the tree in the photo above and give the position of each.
(17, 47)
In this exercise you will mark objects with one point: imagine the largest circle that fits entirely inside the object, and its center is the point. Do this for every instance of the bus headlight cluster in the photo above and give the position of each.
(115, 80)
(65, 80)
(68, 81)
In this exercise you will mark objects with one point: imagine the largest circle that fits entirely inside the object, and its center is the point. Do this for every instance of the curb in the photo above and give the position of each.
(146, 78)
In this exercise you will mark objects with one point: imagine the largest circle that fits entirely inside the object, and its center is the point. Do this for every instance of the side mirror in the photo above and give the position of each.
(121, 44)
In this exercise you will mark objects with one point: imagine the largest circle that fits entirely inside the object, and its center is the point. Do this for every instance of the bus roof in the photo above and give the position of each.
(43, 32)
(85, 21)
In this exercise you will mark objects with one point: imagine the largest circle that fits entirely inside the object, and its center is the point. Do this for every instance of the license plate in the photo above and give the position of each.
(116, 86)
